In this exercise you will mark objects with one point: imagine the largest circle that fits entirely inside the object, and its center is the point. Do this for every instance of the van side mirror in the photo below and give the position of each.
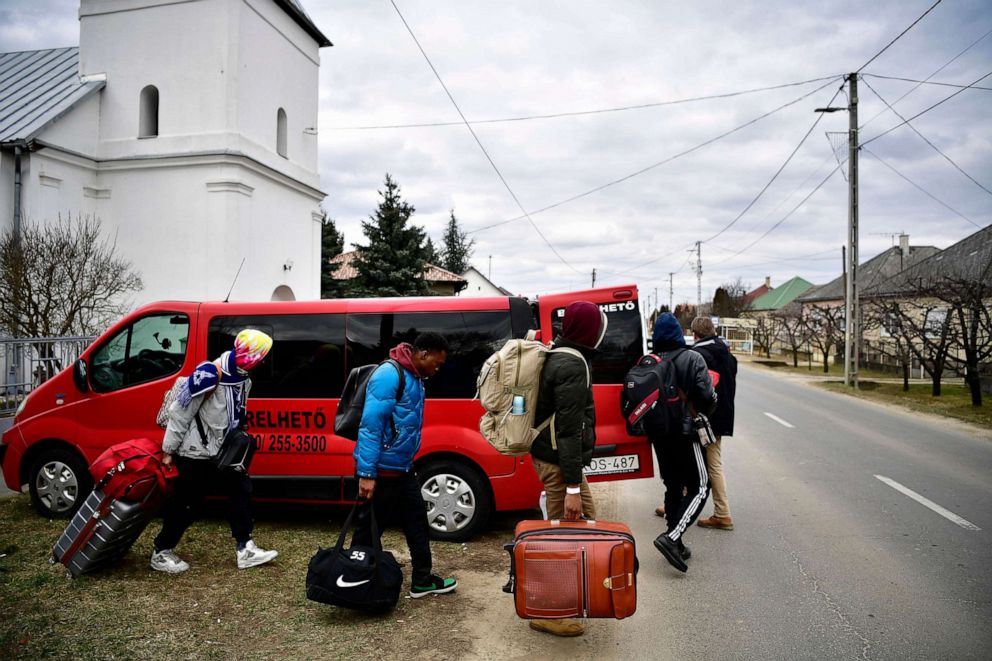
(79, 375)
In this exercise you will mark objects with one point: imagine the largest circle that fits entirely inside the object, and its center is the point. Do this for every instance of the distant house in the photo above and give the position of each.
(759, 291)
(960, 276)
(879, 268)
(778, 298)
(440, 282)
(480, 285)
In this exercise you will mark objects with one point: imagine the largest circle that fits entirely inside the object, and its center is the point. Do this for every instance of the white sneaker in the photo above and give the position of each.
(167, 561)
(252, 556)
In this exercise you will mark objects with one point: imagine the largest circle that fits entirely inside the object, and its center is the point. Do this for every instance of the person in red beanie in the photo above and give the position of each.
(566, 444)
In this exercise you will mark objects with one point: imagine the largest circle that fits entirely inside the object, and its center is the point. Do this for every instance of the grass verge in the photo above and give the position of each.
(214, 610)
(954, 401)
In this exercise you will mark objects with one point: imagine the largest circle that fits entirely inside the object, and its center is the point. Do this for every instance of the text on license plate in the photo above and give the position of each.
(622, 463)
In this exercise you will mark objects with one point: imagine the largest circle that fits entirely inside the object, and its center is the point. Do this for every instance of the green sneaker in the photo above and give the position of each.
(435, 585)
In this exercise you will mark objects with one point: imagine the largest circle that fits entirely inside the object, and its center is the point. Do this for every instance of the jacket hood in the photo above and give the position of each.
(584, 324)
(403, 354)
(667, 333)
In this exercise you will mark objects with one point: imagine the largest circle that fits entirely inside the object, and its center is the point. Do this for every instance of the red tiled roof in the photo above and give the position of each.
(346, 270)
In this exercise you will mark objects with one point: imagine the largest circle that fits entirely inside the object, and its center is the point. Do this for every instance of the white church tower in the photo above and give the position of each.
(197, 147)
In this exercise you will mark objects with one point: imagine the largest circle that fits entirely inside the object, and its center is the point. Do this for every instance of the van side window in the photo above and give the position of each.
(307, 356)
(151, 348)
(472, 337)
(620, 348)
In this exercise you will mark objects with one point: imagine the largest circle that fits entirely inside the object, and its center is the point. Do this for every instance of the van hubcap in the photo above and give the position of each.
(450, 502)
(57, 486)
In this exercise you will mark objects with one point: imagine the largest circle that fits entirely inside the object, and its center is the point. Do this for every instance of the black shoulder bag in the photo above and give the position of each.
(360, 577)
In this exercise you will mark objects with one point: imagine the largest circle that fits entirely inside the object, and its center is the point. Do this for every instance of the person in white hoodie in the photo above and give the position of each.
(211, 403)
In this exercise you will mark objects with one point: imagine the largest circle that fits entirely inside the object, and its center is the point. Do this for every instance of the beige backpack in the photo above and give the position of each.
(515, 370)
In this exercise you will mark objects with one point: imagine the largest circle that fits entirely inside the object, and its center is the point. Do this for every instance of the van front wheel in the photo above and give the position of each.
(59, 483)
(457, 499)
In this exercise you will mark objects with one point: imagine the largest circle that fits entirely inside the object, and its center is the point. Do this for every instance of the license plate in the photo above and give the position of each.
(622, 463)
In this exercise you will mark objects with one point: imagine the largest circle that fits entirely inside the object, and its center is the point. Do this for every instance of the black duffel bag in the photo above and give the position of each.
(360, 577)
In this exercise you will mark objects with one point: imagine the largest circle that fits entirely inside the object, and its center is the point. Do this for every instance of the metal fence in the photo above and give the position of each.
(26, 364)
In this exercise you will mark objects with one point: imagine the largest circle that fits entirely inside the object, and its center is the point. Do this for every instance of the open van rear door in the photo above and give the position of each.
(617, 455)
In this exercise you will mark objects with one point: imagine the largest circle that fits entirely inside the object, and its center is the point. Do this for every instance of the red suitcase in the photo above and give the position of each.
(561, 569)
(131, 484)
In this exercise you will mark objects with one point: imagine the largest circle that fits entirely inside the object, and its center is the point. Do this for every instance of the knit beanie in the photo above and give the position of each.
(584, 324)
(250, 347)
(668, 331)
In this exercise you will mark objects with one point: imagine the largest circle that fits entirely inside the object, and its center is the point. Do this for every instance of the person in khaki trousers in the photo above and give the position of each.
(718, 358)
(566, 445)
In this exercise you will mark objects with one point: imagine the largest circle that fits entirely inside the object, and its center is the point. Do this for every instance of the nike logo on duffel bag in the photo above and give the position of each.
(348, 584)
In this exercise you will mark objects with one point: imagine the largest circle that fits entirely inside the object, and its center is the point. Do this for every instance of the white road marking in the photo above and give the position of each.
(947, 514)
(779, 420)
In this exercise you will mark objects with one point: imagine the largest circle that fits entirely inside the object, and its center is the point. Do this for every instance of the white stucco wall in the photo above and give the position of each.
(478, 285)
(185, 207)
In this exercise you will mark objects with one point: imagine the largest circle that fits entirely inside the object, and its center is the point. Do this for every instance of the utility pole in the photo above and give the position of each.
(671, 291)
(699, 276)
(490, 276)
(852, 308)
(852, 339)
(593, 278)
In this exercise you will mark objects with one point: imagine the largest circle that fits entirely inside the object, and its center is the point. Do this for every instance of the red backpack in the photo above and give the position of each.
(133, 471)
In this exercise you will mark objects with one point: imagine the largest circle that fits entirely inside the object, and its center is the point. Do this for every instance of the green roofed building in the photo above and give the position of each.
(781, 296)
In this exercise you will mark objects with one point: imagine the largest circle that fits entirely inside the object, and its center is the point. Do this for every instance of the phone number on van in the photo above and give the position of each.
(291, 442)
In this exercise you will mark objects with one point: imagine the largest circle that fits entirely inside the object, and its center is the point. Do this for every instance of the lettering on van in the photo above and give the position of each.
(629, 306)
(287, 419)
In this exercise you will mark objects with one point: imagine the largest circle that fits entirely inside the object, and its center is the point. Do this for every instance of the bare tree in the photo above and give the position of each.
(764, 332)
(791, 330)
(824, 328)
(891, 344)
(967, 304)
(729, 301)
(62, 278)
(924, 326)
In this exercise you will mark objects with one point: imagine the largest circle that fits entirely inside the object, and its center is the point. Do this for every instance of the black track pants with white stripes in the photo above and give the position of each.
(687, 484)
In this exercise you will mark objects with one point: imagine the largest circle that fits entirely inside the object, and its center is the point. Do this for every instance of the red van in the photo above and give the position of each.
(114, 390)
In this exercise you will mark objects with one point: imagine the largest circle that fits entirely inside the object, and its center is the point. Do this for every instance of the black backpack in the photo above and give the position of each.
(651, 400)
(348, 418)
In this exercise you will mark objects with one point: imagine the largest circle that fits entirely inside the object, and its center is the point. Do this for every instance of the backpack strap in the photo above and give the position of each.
(550, 421)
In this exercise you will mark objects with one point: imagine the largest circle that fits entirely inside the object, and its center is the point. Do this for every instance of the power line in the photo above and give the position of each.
(655, 165)
(921, 189)
(577, 113)
(750, 204)
(898, 36)
(906, 121)
(924, 138)
(924, 82)
(927, 79)
(784, 218)
(479, 142)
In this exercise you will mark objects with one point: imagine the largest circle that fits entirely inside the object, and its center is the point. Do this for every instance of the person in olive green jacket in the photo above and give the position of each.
(566, 444)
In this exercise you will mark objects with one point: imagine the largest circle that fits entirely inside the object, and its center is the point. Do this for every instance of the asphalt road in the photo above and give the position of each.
(827, 560)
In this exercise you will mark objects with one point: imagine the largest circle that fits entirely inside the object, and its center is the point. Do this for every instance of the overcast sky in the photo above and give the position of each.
(665, 178)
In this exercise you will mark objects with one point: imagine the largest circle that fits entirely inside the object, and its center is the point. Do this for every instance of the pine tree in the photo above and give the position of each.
(392, 264)
(431, 254)
(457, 250)
(331, 245)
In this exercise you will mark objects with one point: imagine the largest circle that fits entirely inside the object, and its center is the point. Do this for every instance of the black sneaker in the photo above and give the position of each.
(670, 549)
(434, 585)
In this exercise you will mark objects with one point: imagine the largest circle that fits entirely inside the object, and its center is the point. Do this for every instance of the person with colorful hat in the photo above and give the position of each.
(211, 402)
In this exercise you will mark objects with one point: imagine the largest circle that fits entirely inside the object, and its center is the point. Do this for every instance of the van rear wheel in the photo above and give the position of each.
(457, 499)
(59, 483)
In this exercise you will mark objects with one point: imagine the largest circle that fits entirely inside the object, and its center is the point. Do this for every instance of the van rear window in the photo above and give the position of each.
(621, 347)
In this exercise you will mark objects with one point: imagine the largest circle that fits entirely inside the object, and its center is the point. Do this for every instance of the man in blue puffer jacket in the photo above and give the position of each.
(388, 440)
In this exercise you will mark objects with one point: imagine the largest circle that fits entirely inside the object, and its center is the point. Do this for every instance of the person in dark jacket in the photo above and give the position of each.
(718, 358)
(566, 444)
(680, 457)
(388, 439)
